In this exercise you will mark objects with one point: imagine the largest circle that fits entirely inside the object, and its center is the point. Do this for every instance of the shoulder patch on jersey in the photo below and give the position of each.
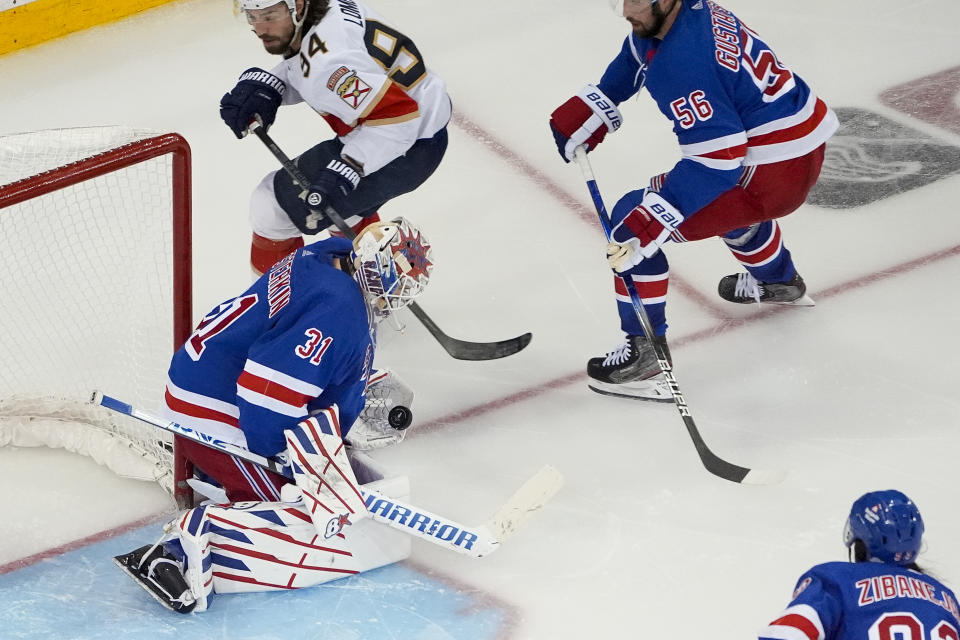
(801, 587)
(353, 90)
(335, 77)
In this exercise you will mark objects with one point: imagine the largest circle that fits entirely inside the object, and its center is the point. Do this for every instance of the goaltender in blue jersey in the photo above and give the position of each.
(299, 340)
(882, 594)
(285, 370)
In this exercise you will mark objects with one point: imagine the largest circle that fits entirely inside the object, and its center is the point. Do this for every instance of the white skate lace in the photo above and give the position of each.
(618, 355)
(747, 287)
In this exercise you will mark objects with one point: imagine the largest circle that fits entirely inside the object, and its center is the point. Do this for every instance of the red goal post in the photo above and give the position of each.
(95, 245)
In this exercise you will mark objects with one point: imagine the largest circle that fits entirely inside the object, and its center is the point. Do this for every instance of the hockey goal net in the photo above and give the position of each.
(95, 256)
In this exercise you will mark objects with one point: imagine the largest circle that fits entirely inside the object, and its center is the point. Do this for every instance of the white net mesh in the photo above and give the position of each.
(88, 301)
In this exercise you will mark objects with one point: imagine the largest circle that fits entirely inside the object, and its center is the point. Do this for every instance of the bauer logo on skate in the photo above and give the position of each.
(424, 523)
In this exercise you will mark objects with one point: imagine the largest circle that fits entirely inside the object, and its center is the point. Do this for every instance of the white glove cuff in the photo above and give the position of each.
(602, 106)
(666, 213)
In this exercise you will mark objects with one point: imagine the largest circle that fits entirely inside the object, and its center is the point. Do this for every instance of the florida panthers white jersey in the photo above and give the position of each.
(368, 81)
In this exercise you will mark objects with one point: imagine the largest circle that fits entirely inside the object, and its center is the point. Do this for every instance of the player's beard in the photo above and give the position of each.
(278, 45)
(659, 17)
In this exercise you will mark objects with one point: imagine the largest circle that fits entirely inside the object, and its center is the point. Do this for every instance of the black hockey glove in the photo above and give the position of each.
(257, 95)
(334, 183)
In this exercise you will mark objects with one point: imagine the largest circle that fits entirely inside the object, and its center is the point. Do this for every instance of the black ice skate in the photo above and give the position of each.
(160, 574)
(631, 371)
(743, 288)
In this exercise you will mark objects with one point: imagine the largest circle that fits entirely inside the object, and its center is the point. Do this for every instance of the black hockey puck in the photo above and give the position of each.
(400, 417)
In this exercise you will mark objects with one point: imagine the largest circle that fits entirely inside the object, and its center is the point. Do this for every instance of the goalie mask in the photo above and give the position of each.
(393, 262)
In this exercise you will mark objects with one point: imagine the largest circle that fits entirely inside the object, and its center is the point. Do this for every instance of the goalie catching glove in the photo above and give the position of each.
(386, 413)
(646, 222)
(584, 120)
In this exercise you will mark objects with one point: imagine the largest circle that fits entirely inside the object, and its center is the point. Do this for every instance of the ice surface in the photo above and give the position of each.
(855, 394)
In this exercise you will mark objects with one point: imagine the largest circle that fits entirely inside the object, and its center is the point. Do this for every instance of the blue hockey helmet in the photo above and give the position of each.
(888, 524)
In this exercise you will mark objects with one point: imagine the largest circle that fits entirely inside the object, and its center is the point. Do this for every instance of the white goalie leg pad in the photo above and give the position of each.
(268, 546)
(322, 472)
(386, 415)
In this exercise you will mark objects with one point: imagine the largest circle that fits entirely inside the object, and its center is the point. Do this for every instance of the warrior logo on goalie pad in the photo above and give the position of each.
(336, 525)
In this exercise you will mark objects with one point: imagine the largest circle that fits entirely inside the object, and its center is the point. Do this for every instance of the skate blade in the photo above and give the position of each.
(648, 390)
(147, 586)
(802, 301)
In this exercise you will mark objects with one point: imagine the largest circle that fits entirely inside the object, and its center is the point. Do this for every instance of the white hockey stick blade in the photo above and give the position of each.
(764, 477)
(533, 495)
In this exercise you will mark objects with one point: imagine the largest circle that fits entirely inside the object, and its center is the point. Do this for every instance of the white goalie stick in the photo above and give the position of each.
(711, 461)
(459, 349)
(475, 541)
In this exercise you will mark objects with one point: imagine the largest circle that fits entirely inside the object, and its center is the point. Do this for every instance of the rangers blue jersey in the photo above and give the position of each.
(732, 102)
(867, 601)
(298, 340)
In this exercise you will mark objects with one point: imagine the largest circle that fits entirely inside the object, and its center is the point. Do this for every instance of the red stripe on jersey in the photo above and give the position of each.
(762, 254)
(339, 127)
(196, 411)
(647, 290)
(273, 389)
(800, 623)
(730, 153)
(795, 132)
(393, 103)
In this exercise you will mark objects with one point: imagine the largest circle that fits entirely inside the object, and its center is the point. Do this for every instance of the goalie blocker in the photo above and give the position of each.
(319, 530)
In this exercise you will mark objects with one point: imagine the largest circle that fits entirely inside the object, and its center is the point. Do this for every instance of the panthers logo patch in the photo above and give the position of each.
(353, 90)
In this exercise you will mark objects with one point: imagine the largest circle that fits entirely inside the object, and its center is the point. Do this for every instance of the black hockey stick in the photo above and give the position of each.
(476, 541)
(459, 349)
(713, 463)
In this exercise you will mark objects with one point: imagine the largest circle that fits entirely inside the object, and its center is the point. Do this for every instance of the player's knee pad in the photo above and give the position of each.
(267, 218)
